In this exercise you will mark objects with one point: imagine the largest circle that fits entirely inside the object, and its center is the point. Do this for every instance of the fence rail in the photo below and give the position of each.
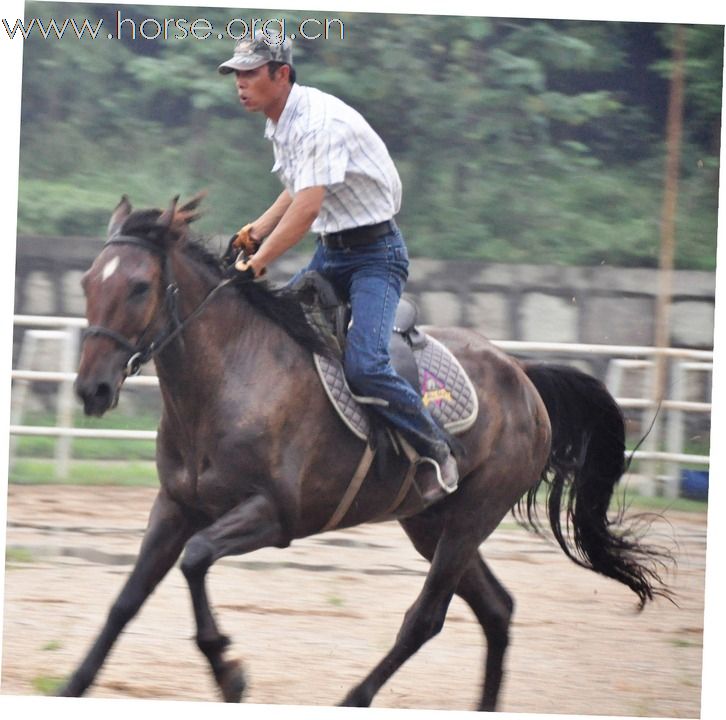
(623, 359)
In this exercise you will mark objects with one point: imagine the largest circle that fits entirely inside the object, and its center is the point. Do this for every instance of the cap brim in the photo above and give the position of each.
(236, 63)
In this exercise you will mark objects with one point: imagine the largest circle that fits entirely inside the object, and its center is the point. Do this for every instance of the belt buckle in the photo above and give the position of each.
(333, 240)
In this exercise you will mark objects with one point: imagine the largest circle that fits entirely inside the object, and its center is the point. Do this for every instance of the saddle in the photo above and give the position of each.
(427, 365)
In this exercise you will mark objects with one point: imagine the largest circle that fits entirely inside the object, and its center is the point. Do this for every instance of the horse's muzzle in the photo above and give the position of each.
(97, 397)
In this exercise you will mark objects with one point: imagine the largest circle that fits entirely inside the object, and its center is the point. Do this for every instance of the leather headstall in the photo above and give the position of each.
(140, 353)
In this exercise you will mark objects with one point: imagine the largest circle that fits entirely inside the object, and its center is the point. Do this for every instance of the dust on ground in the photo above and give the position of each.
(311, 620)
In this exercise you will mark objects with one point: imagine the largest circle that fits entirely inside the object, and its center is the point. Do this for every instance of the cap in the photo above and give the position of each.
(251, 53)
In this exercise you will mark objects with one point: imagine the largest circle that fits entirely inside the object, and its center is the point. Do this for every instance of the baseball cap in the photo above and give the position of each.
(251, 53)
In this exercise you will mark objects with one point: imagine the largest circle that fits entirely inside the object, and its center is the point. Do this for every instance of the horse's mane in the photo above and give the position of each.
(281, 305)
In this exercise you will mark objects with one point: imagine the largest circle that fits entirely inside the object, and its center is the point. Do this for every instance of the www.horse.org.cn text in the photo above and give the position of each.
(273, 30)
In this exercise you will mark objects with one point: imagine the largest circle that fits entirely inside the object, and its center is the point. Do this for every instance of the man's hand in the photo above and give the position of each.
(240, 248)
(243, 240)
(242, 271)
(244, 268)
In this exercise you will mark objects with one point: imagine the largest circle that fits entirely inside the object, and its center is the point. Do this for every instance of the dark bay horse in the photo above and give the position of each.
(250, 453)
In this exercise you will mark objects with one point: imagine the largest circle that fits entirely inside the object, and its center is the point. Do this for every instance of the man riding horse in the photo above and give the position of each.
(250, 452)
(340, 181)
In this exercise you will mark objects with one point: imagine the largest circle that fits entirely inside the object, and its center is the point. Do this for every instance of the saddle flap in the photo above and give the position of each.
(314, 288)
(406, 316)
(324, 308)
(328, 312)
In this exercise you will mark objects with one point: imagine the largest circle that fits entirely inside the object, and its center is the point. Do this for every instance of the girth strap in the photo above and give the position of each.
(413, 460)
(355, 484)
(359, 475)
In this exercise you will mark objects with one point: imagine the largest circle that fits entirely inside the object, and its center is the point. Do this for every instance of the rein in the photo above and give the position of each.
(140, 354)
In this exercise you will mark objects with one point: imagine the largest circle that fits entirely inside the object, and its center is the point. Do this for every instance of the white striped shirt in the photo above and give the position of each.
(320, 141)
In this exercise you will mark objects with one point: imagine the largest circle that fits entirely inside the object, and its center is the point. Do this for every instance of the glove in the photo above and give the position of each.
(242, 240)
(239, 248)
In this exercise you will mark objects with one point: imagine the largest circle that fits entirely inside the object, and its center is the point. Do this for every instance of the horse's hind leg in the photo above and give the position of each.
(425, 618)
(250, 526)
(491, 603)
(167, 531)
(493, 607)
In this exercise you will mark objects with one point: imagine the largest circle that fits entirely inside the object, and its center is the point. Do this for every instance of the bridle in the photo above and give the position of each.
(140, 353)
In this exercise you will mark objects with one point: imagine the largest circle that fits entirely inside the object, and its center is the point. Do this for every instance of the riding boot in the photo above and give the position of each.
(435, 480)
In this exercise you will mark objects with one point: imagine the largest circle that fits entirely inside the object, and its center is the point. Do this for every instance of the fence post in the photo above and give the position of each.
(19, 391)
(27, 359)
(651, 421)
(675, 431)
(63, 445)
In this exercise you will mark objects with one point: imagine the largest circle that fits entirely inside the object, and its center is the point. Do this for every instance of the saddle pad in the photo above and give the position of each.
(445, 387)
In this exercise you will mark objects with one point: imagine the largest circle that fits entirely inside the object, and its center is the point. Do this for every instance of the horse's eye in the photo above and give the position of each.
(139, 290)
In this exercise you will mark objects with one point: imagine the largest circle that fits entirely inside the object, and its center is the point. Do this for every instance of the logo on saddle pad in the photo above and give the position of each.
(433, 390)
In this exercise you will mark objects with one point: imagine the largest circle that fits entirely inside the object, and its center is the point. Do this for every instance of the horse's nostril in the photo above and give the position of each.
(103, 391)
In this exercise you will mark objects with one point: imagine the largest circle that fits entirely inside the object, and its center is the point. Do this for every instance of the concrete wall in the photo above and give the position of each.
(607, 305)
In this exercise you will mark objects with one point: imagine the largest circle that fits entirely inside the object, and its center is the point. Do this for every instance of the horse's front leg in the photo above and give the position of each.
(252, 525)
(168, 529)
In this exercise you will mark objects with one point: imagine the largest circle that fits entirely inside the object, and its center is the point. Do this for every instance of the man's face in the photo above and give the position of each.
(257, 91)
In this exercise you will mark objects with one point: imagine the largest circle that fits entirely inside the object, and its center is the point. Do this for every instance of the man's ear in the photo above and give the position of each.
(282, 74)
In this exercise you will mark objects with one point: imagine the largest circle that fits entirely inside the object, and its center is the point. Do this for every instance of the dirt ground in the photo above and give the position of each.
(311, 620)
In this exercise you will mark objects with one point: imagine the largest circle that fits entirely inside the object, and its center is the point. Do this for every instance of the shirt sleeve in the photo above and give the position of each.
(323, 160)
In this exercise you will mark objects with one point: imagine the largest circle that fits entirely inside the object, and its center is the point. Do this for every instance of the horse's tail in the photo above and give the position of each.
(586, 461)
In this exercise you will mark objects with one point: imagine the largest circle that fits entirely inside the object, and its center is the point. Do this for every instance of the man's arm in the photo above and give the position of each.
(291, 227)
(267, 222)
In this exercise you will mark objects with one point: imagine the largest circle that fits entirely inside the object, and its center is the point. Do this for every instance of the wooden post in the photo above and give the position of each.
(674, 131)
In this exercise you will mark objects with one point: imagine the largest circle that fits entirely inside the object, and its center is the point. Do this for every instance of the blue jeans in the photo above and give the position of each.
(372, 278)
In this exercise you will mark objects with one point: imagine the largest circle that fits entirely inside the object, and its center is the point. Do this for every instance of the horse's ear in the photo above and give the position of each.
(186, 211)
(120, 213)
(167, 216)
(176, 219)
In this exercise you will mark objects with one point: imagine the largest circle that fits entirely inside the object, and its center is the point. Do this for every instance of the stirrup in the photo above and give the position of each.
(439, 479)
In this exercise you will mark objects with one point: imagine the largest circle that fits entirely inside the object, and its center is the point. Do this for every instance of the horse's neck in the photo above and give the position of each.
(192, 367)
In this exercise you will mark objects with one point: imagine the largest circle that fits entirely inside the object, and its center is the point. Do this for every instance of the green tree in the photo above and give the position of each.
(515, 139)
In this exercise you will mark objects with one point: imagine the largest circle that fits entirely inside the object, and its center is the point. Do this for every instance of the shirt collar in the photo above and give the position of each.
(282, 126)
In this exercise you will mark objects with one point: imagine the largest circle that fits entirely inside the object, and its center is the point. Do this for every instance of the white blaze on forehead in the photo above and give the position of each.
(109, 268)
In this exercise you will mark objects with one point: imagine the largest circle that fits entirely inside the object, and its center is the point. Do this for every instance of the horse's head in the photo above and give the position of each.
(126, 289)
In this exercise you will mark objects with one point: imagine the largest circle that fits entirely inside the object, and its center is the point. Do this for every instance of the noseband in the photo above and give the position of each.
(140, 353)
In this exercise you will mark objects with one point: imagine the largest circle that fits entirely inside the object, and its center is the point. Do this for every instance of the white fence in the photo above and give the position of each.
(661, 465)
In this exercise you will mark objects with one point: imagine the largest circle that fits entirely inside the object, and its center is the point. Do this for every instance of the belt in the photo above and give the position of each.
(358, 236)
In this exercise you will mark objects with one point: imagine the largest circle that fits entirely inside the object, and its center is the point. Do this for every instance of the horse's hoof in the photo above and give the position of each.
(68, 689)
(355, 698)
(232, 681)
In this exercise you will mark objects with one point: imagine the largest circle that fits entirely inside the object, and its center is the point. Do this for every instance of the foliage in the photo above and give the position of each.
(47, 684)
(660, 505)
(42, 472)
(18, 556)
(514, 138)
(87, 449)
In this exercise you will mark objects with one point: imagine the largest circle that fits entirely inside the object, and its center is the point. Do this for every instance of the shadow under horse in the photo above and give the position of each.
(251, 454)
